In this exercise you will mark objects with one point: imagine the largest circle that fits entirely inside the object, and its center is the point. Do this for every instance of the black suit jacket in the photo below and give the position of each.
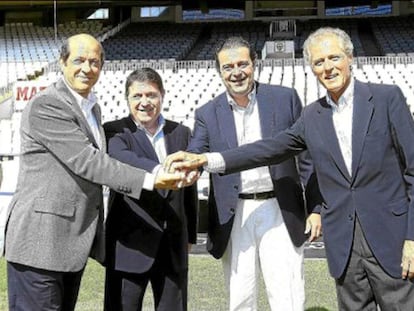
(215, 131)
(135, 227)
(114, 127)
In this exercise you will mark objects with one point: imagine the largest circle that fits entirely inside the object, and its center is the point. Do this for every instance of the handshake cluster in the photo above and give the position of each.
(179, 170)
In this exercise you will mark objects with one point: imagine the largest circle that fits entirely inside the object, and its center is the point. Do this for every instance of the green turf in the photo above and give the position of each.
(206, 288)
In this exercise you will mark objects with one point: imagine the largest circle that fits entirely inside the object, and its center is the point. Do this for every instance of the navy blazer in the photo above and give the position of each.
(380, 186)
(135, 227)
(215, 131)
(112, 128)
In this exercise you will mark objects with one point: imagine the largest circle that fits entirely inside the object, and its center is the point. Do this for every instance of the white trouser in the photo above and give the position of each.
(259, 238)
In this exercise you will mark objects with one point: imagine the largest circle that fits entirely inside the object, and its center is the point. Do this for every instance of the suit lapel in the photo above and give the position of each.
(226, 122)
(170, 138)
(96, 110)
(362, 114)
(65, 93)
(130, 124)
(328, 136)
(266, 114)
(145, 144)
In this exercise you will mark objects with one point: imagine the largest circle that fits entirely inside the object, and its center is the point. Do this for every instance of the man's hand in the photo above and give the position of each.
(189, 178)
(313, 226)
(176, 179)
(184, 161)
(170, 181)
(408, 260)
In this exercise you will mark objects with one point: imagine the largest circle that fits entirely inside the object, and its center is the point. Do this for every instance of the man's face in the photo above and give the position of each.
(236, 70)
(83, 66)
(144, 102)
(331, 65)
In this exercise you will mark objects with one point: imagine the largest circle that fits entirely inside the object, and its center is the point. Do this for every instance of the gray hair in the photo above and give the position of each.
(344, 39)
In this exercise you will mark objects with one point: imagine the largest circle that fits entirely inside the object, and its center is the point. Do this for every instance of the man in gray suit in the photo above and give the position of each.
(55, 217)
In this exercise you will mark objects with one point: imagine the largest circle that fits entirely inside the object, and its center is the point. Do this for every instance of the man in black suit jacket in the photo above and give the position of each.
(148, 239)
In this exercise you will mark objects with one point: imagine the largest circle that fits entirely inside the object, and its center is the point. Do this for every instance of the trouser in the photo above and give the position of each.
(41, 290)
(125, 291)
(365, 285)
(260, 240)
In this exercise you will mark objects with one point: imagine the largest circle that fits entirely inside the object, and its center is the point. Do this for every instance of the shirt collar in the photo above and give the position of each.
(86, 104)
(251, 96)
(161, 124)
(345, 99)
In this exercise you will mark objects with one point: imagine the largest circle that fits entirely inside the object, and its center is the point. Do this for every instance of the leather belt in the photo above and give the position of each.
(257, 195)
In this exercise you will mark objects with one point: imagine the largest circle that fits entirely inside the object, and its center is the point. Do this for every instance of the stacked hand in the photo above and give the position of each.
(178, 171)
(184, 161)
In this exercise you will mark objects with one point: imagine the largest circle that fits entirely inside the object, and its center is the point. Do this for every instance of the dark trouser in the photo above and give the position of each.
(125, 291)
(364, 284)
(41, 290)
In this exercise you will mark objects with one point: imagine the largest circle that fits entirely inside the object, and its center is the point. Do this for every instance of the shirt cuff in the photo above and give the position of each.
(149, 181)
(215, 162)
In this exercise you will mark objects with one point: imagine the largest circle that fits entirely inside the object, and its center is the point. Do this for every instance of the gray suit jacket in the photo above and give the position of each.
(55, 218)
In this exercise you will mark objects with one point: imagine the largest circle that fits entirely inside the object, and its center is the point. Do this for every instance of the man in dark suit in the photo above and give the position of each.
(148, 238)
(257, 216)
(55, 217)
(360, 137)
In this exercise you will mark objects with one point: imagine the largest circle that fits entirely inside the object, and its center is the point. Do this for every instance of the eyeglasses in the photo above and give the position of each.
(229, 68)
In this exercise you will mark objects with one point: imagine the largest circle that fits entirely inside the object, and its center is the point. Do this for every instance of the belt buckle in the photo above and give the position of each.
(259, 196)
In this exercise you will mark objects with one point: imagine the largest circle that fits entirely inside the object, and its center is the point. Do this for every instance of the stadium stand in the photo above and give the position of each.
(184, 53)
(160, 41)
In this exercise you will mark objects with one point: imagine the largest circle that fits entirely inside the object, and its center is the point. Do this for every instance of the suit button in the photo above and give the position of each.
(350, 217)
(232, 210)
(236, 187)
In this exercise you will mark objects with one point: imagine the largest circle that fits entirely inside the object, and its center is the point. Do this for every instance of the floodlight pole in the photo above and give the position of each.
(55, 19)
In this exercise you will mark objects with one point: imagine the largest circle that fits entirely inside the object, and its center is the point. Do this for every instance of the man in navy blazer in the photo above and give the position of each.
(360, 137)
(257, 215)
(148, 238)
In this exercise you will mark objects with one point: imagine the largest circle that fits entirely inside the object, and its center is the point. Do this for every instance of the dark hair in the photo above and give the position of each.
(144, 75)
(232, 43)
(65, 49)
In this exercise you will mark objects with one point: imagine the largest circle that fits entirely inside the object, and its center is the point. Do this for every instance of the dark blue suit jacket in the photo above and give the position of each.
(381, 186)
(135, 227)
(215, 131)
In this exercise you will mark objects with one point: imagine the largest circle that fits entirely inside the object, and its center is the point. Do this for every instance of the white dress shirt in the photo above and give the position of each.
(342, 120)
(157, 140)
(248, 130)
(86, 105)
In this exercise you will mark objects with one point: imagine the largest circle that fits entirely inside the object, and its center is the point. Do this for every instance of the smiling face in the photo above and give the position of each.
(237, 71)
(330, 64)
(83, 66)
(144, 100)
